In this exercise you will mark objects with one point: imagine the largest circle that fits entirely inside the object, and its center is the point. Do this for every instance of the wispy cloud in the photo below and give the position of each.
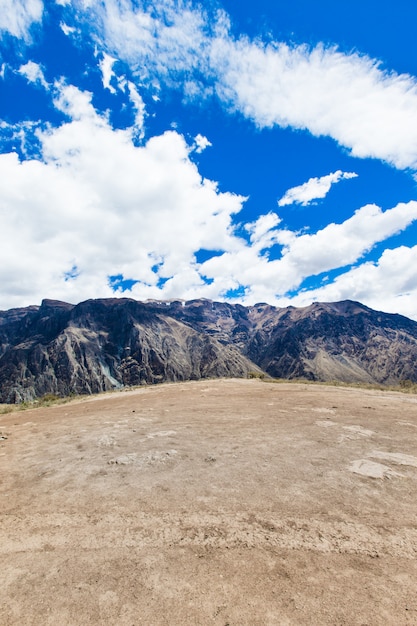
(33, 73)
(139, 109)
(17, 16)
(95, 205)
(369, 111)
(83, 205)
(106, 67)
(165, 40)
(314, 189)
(348, 97)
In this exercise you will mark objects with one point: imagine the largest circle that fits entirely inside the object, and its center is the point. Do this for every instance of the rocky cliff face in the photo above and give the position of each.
(341, 341)
(106, 344)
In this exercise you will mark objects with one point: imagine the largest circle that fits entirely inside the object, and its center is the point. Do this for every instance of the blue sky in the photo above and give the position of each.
(240, 151)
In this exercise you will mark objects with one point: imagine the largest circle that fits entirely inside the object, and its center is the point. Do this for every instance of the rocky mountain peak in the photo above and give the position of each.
(104, 344)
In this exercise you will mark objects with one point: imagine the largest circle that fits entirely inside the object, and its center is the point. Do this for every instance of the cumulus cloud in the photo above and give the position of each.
(97, 206)
(335, 246)
(388, 284)
(263, 232)
(17, 16)
(76, 104)
(201, 143)
(338, 245)
(313, 189)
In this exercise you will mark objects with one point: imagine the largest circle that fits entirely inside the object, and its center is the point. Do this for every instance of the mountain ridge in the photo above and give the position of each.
(109, 343)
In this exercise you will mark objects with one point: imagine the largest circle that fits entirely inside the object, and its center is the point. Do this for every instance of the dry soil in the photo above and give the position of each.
(226, 502)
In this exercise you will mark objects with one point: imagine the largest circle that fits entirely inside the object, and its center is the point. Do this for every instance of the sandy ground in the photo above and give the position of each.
(229, 502)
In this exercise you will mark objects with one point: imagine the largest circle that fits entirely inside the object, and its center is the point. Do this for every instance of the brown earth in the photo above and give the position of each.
(224, 502)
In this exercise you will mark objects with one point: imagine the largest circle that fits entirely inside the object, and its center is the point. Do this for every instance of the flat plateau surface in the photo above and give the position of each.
(224, 502)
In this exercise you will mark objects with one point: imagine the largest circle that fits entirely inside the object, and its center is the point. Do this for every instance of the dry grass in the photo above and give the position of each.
(49, 399)
(404, 386)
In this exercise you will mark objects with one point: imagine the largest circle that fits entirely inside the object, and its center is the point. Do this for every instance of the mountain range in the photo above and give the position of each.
(105, 344)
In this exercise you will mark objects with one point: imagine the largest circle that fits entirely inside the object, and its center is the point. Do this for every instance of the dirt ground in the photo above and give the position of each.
(226, 502)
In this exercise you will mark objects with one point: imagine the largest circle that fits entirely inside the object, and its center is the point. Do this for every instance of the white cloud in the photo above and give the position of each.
(76, 104)
(140, 110)
(67, 30)
(33, 73)
(106, 67)
(335, 246)
(348, 97)
(338, 245)
(17, 16)
(344, 96)
(389, 284)
(201, 143)
(313, 189)
(263, 233)
(163, 40)
(98, 206)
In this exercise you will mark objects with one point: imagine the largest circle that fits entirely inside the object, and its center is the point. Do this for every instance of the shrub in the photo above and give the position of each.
(260, 375)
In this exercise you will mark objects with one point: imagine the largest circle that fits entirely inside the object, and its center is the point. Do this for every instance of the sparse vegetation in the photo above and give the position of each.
(49, 399)
(259, 375)
(406, 386)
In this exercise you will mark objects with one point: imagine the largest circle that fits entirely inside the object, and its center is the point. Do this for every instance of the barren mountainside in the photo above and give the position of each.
(105, 344)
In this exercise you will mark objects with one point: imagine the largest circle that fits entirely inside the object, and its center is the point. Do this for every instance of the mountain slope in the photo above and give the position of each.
(104, 344)
(339, 341)
(101, 345)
